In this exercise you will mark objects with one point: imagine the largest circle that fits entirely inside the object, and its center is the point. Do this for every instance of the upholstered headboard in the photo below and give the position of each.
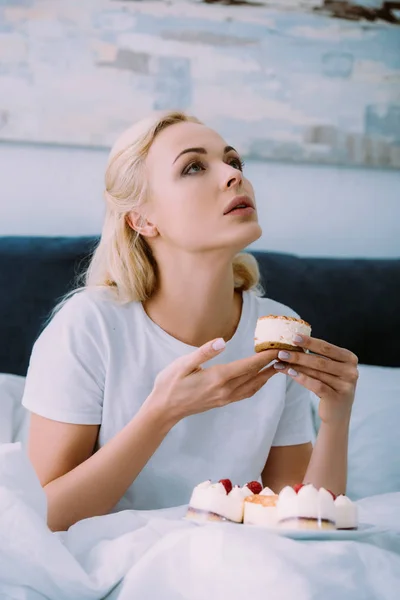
(354, 303)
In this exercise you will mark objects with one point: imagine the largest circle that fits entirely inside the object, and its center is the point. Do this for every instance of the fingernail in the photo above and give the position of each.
(218, 344)
(279, 366)
(284, 355)
(292, 372)
(298, 339)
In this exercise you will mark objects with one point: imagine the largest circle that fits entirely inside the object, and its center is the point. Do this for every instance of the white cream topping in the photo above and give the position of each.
(240, 492)
(279, 330)
(267, 492)
(257, 514)
(308, 502)
(219, 488)
(346, 513)
(212, 497)
(246, 491)
(204, 484)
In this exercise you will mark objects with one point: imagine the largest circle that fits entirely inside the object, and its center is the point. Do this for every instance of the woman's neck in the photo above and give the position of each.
(196, 301)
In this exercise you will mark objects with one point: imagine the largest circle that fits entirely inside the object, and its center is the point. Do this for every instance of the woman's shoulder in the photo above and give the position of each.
(268, 306)
(82, 302)
(89, 306)
(87, 318)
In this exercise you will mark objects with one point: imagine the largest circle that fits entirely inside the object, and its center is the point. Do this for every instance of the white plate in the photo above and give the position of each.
(364, 529)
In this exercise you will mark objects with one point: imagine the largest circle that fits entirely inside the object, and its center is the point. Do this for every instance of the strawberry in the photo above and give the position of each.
(227, 483)
(332, 494)
(254, 486)
(298, 487)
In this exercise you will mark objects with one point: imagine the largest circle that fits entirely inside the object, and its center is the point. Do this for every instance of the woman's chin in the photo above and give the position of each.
(247, 234)
(233, 241)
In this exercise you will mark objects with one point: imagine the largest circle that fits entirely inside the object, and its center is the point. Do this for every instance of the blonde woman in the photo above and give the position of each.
(145, 382)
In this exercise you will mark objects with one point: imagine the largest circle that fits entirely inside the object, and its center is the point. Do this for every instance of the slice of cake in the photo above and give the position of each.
(305, 507)
(260, 509)
(278, 332)
(346, 513)
(218, 501)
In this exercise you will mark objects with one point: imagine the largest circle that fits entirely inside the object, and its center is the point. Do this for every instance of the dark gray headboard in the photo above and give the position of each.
(353, 303)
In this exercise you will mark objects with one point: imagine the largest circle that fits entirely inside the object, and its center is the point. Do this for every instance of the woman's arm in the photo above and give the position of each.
(328, 464)
(286, 465)
(331, 373)
(324, 466)
(79, 484)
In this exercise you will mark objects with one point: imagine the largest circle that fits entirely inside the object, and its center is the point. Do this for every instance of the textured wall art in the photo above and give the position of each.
(306, 81)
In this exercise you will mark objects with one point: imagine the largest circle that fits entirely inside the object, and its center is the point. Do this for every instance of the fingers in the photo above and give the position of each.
(236, 382)
(318, 386)
(331, 382)
(191, 362)
(250, 376)
(250, 365)
(326, 349)
(253, 385)
(294, 371)
(318, 363)
(238, 368)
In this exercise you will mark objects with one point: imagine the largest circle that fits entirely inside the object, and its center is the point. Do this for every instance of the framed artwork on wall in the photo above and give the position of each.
(301, 81)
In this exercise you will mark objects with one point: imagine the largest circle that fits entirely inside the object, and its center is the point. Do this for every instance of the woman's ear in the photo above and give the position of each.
(140, 224)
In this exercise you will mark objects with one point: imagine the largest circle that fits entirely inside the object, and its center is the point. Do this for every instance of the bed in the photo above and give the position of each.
(156, 554)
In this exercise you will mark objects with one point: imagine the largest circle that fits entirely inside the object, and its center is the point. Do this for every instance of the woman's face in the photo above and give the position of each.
(195, 180)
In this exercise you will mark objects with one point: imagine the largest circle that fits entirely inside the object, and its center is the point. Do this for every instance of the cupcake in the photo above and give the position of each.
(346, 513)
(278, 332)
(306, 508)
(260, 509)
(218, 501)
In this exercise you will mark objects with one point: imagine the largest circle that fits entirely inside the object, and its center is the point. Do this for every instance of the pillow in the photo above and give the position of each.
(14, 418)
(374, 446)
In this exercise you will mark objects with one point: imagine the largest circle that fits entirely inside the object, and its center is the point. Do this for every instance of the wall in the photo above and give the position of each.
(288, 80)
(303, 209)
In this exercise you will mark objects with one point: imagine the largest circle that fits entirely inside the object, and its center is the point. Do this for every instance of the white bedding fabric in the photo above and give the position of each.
(156, 555)
(14, 418)
(374, 445)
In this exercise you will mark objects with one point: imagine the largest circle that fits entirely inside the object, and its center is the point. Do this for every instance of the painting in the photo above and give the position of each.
(300, 81)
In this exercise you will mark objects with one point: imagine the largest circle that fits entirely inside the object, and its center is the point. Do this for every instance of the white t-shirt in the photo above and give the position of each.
(95, 363)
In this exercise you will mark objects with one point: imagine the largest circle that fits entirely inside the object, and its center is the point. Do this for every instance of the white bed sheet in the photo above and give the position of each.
(155, 555)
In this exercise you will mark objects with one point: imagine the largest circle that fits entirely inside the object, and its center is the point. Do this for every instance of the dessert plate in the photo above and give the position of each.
(364, 529)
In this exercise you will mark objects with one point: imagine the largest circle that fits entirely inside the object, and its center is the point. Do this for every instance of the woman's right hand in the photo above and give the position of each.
(186, 388)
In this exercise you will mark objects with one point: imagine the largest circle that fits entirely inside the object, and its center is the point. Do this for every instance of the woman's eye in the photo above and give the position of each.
(237, 163)
(198, 166)
(194, 167)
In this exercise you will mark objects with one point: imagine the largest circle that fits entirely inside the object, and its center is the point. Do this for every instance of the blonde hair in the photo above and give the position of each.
(123, 260)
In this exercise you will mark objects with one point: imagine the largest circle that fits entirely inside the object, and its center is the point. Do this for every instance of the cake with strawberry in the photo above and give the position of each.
(305, 507)
(278, 332)
(346, 513)
(220, 501)
(260, 509)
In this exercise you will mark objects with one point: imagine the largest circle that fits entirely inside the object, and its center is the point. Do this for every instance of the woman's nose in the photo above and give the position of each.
(232, 177)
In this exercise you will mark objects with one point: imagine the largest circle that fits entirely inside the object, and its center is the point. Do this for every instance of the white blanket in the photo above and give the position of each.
(156, 555)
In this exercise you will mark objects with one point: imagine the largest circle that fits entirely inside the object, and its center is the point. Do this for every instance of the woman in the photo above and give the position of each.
(145, 382)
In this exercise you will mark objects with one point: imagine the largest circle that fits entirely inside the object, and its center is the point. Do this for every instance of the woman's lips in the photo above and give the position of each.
(241, 212)
(242, 201)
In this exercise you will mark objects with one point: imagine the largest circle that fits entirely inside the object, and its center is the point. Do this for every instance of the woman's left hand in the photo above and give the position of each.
(329, 371)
